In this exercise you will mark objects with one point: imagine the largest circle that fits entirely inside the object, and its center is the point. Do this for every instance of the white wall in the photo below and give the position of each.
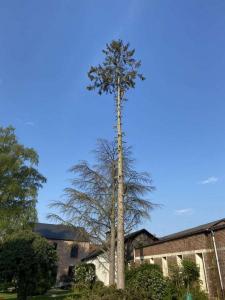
(102, 268)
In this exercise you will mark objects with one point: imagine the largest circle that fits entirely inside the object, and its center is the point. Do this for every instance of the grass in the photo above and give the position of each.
(4, 296)
(53, 294)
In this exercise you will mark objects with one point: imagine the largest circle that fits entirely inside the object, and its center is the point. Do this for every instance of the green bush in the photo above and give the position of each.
(27, 261)
(186, 278)
(198, 294)
(190, 273)
(146, 282)
(85, 274)
(147, 279)
(98, 285)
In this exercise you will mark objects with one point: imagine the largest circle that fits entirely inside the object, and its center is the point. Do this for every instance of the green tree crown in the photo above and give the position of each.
(119, 64)
(19, 181)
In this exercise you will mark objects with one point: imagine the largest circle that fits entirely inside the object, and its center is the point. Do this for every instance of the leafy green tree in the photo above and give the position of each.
(19, 182)
(116, 76)
(28, 261)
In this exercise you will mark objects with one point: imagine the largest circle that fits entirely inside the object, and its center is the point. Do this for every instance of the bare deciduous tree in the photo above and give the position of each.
(90, 201)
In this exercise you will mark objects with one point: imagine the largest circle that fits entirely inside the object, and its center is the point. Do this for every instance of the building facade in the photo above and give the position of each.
(71, 244)
(204, 244)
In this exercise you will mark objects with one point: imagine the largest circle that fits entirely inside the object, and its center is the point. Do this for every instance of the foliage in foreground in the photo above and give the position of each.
(27, 261)
(85, 274)
(146, 282)
(56, 294)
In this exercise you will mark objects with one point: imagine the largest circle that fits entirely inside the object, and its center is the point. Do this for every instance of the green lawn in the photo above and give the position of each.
(7, 296)
(55, 294)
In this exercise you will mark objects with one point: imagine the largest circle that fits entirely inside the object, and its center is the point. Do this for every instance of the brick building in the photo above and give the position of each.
(72, 244)
(204, 244)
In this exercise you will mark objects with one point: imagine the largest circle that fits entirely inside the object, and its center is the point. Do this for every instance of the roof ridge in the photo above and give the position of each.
(61, 232)
(187, 232)
(213, 223)
(70, 226)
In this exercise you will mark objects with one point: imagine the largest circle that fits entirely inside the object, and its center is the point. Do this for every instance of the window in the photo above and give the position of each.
(201, 265)
(179, 260)
(55, 245)
(165, 266)
(152, 261)
(74, 251)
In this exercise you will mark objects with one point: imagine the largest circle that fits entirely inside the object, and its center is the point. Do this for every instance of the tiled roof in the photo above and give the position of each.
(61, 232)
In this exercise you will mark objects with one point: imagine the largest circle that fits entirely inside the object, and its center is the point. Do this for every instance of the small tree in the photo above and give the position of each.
(116, 76)
(185, 277)
(190, 273)
(29, 261)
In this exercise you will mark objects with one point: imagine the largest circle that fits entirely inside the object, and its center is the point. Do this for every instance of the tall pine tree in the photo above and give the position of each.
(116, 75)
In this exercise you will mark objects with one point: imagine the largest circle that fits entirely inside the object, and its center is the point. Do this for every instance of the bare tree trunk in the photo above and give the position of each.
(112, 232)
(120, 225)
(112, 255)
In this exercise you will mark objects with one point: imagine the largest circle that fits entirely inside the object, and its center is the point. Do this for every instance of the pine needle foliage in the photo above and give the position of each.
(119, 62)
(116, 75)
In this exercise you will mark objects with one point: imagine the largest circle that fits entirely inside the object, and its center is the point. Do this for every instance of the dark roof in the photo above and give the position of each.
(61, 232)
(189, 232)
(93, 254)
(127, 238)
(133, 235)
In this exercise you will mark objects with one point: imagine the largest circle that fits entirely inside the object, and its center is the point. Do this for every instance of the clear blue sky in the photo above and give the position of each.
(175, 120)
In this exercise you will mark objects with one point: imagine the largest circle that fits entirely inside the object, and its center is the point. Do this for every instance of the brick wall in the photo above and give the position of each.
(64, 255)
(189, 247)
(140, 240)
(195, 242)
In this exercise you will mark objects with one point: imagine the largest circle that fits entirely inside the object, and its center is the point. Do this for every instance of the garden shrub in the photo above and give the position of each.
(190, 273)
(198, 294)
(148, 280)
(85, 274)
(186, 278)
(28, 261)
(98, 285)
